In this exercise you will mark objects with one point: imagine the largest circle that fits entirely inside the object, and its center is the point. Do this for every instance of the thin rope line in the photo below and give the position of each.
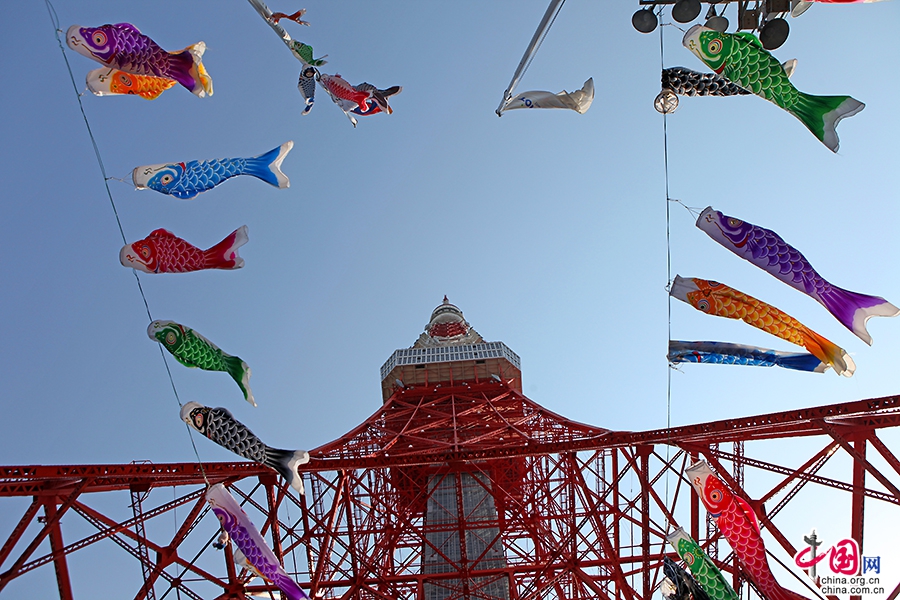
(694, 210)
(287, 508)
(197, 454)
(662, 65)
(681, 29)
(54, 20)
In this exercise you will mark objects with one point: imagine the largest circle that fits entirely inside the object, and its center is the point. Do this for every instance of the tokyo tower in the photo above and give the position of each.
(460, 487)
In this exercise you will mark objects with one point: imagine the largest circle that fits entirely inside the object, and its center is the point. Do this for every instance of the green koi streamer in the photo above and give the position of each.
(702, 567)
(195, 351)
(741, 58)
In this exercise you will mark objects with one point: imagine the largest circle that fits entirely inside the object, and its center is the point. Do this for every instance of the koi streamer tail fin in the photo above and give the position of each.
(240, 372)
(268, 166)
(821, 115)
(286, 462)
(828, 352)
(204, 86)
(381, 96)
(224, 255)
(192, 74)
(853, 309)
(802, 362)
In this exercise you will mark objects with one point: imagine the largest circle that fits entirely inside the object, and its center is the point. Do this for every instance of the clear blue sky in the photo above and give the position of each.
(547, 228)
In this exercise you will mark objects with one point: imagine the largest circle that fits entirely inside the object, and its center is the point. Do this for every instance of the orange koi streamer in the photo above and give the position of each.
(720, 300)
(113, 82)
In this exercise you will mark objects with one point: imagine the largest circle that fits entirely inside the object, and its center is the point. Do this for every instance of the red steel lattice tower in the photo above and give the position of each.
(460, 487)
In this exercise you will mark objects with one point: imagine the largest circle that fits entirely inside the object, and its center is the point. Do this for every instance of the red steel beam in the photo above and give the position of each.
(644, 455)
(50, 521)
(112, 529)
(872, 413)
(36, 480)
(56, 544)
(885, 452)
(858, 498)
(801, 473)
(141, 557)
(57, 480)
(860, 458)
(19, 529)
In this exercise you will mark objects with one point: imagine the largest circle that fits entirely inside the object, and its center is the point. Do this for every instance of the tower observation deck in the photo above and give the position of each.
(450, 350)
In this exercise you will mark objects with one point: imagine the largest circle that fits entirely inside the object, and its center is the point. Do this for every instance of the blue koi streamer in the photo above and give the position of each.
(725, 353)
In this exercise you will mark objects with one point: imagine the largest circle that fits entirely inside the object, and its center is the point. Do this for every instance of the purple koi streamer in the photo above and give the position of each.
(248, 539)
(125, 48)
(765, 249)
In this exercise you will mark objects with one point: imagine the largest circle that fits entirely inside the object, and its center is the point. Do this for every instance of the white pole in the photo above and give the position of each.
(536, 40)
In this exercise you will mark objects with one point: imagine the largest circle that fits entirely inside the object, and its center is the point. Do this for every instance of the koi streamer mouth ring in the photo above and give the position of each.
(76, 41)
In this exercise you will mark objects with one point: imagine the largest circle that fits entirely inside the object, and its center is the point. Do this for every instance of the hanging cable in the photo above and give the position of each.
(691, 209)
(662, 65)
(287, 508)
(54, 20)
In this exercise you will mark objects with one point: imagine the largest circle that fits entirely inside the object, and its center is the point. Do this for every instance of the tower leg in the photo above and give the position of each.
(56, 546)
(857, 502)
